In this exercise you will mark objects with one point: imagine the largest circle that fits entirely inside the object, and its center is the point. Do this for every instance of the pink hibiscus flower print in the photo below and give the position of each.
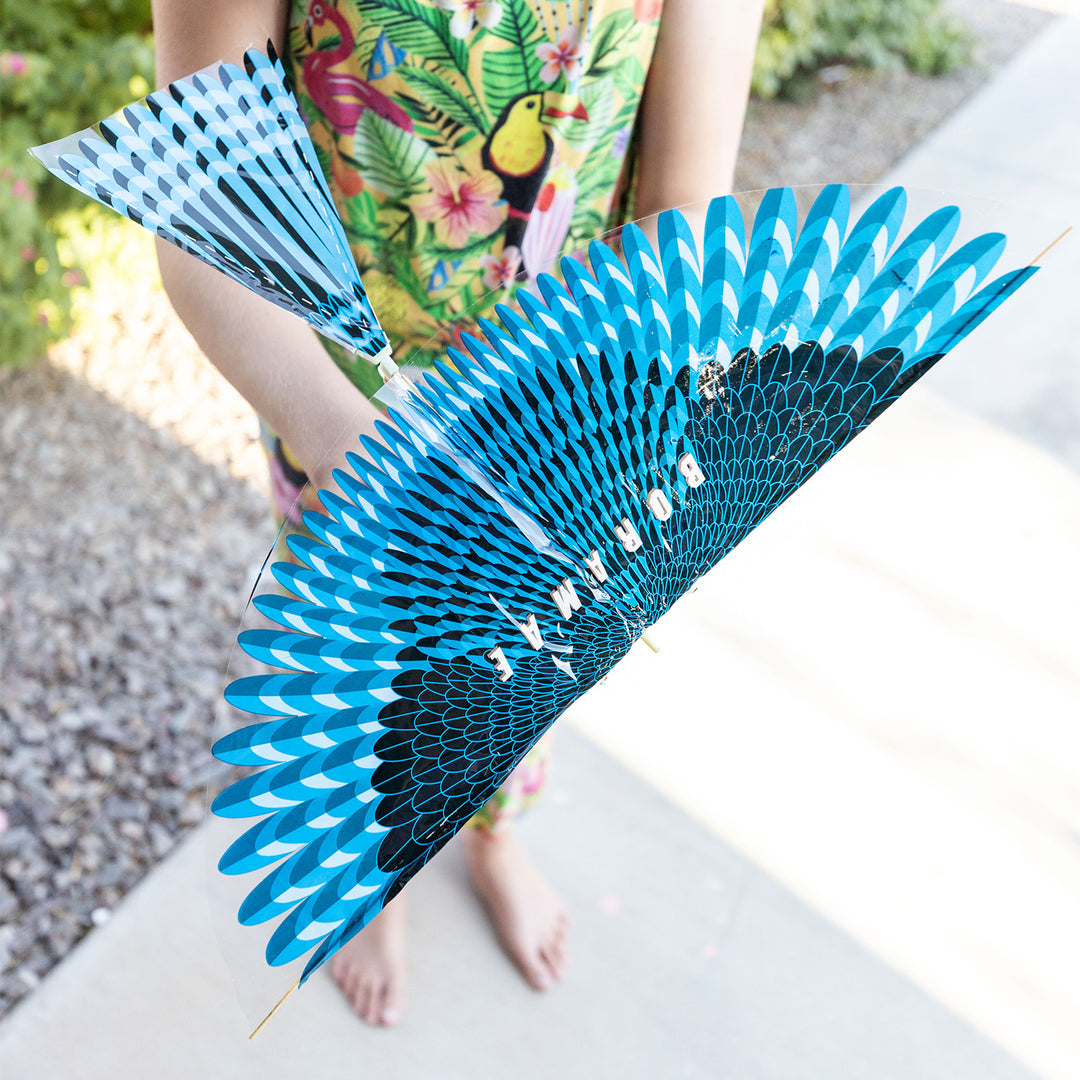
(460, 203)
(468, 12)
(500, 270)
(564, 56)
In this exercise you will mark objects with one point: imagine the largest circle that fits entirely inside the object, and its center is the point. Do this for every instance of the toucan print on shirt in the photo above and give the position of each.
(469, 142)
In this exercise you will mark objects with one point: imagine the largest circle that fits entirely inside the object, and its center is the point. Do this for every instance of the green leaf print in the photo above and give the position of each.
(324, 161)
(361, 222)
(609, 37)
(398, 229)
(425, 358)
(503, 81)
(477, 246)
(518, 24)
(624, 116)
(331, 41)
(437, 92)
(594, 188)
(417, 28)
(596, 177)
(588, 224)
(308, 110)
(598, 96)
(442, 133)
(390, 160)
(516, 70)
(628, 78)
(400, 265)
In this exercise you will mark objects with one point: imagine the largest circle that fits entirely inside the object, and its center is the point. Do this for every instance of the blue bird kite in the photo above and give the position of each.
(535, 506)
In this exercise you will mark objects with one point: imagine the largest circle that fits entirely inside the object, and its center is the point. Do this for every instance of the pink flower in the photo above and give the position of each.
(28, 253)
(500, 270)
(73, 279)
(564, 56)
(467, 12)
(647, 11)
(460, 204)
(21, 190)
(12, 63)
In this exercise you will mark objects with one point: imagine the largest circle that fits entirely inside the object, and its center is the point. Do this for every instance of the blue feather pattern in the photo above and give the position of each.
(644, 417)
(533, 507)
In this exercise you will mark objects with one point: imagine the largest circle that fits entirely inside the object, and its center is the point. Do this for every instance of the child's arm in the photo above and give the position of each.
(695, 101)
(270, 356)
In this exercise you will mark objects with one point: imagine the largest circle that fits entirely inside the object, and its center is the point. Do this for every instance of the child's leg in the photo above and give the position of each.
(370, 968)
(527, 916)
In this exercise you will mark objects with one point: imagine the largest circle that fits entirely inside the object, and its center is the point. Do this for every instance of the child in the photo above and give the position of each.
(465, 145)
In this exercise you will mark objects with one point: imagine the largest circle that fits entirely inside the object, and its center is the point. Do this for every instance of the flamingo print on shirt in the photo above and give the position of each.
(341, 97)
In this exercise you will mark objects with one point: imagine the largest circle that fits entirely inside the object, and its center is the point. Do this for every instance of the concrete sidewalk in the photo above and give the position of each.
(688, 961)
(864, 729)
(904, 632)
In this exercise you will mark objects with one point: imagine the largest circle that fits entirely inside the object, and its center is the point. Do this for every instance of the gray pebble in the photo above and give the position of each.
(7, 942)
(101, 760)
(8, 903)
(58, 837)
(132, 830)
(71, 720)
(193, 811)
(33, 731)
(161, 840)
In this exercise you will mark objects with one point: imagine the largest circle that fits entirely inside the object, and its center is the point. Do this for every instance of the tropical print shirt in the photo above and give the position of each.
(468, 142)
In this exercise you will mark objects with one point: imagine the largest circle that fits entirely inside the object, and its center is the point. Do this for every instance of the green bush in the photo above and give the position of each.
(800, 36)
(64, 65)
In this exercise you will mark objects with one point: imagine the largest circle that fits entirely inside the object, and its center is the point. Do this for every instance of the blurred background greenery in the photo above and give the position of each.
(64, 64)
(800, 37)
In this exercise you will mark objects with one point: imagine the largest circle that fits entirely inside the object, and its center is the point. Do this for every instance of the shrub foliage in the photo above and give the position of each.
(64, 65)
(800, 36)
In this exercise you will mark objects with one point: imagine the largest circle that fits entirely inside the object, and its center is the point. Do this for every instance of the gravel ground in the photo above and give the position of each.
(135, 518)
(133, 514)
(860, 125)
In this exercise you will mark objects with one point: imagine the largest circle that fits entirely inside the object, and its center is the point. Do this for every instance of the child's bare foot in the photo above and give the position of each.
(528, 917)
(370, 969)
